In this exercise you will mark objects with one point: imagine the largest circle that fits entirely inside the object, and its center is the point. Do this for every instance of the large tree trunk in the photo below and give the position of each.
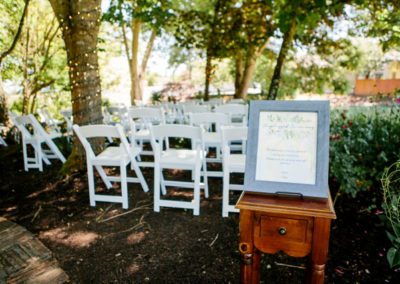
(135, 92)
(208, 74)
(80, 22)
(4, 119)
(238, 73)
(145, 60)
(276, 78)
(248, 70)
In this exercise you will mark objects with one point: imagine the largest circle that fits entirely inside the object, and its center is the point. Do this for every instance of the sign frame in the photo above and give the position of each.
(320, 188)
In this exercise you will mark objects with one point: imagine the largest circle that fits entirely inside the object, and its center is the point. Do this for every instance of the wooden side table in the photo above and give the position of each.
(295, 226)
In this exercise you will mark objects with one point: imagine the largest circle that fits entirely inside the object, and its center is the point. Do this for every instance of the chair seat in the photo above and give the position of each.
(237, 163)
(142, 134)
(175, 157)
(114, 155)
(212, 138)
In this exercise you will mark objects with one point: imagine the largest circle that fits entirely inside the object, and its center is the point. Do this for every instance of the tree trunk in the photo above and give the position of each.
(246, 77)
(276, 78)
(4, 119)
(248, 71)
(208, 74)
(135, 92)
(238, 73)
(80, 22)
(145, 60)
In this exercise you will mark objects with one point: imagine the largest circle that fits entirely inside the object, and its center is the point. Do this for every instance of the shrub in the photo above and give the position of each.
(391, 207)
(362, 144)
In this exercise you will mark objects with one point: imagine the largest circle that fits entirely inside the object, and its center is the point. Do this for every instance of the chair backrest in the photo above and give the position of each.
(233, 133)
(99, 131)
(235, 111)
(206, 119)
(195, 108)
(165, 131)
(23, 123)
(147, 114)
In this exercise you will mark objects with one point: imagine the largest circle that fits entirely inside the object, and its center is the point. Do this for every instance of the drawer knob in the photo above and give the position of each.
(282, 231)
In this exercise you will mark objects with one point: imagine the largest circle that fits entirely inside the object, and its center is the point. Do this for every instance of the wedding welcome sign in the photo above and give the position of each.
(288, 148)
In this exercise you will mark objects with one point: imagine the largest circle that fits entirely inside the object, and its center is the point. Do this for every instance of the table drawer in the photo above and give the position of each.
(289, 234)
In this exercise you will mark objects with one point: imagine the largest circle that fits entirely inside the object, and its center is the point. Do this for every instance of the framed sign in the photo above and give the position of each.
(288, 148)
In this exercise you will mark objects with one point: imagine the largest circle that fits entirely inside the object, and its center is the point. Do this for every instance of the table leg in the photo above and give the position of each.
(246, 247)
(319, 251)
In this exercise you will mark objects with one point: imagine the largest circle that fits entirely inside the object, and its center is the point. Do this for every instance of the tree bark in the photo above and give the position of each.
(145, 60)
(80, 23)
(276, 77)
(4, 119)
(208, 74)
(135, 93)
(248, 71)
(238, 73)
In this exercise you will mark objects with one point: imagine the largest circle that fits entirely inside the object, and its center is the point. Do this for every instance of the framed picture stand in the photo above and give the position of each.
(286, 204)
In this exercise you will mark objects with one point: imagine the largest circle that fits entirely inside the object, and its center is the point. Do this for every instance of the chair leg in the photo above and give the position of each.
(157, 172)
(140, 176)
(225, 194)
(162, 183)
(205, 178)
(91, 185)
(39, 156)
(25, 154)
(124, 186)
(103, 176)
(196, 193)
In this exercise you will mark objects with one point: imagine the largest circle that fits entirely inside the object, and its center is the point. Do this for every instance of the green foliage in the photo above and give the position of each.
(362, 144)
(391, 207)
(155, 13)
(381, 19)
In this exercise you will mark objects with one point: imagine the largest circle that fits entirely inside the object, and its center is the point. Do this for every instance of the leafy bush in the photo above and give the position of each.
(391, 206)
(362, 144)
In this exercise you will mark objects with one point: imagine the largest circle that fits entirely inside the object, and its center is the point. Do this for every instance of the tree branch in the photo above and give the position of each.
(17, 35)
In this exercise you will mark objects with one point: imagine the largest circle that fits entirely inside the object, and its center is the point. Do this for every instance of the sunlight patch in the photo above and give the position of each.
(135, 238)
(80, 239)
(132, 269)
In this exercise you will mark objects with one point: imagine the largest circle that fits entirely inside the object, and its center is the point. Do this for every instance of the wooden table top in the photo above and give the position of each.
(322, 208)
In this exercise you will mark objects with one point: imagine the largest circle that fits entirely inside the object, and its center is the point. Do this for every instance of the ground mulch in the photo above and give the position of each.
(96, 244)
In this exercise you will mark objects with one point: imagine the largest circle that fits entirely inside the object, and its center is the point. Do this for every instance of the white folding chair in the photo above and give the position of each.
(232, 163)
(67, 115)
(50, 122)
(34, 134)
(191, 108)
(237, 112)
(185, 159)
(113, 156)
(211, 122)
(139, 119)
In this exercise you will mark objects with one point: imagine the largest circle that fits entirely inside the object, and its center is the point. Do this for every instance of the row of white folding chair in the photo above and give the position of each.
(192, 159)
(34, 134)
(139, 118)
(233, 162)
(115, 156)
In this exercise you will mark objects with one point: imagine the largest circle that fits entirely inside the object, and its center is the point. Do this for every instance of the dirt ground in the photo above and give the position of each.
(172, 246)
